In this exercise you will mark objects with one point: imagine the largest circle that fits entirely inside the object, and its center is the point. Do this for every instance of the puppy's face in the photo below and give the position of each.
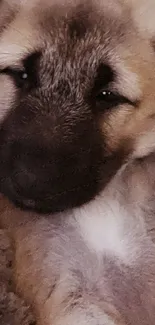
(77, 90)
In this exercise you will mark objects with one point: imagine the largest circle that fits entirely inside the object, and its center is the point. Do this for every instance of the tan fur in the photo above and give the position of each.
(62, 266)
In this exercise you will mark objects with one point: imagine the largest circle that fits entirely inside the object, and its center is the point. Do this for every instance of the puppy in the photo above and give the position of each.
(77, 113)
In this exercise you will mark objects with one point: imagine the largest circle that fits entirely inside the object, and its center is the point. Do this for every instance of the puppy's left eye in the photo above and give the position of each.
(20, 77)
(107, 99)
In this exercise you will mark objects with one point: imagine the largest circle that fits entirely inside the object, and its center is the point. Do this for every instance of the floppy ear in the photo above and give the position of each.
(143, 13)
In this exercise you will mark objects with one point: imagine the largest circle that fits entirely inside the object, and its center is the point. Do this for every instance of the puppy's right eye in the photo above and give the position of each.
(19, 76)
(25, 77)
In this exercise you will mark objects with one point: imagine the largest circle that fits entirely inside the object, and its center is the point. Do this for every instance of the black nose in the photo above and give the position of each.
(18, 178)
(22, 172)
(34, 177)
(23, 184)
(23, 176)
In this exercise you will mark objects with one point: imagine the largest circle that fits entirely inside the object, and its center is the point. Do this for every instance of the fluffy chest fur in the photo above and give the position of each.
(102, 254)
(107, 228)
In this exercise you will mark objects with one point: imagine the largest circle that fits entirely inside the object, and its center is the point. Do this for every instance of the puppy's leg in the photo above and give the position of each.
(27, 235)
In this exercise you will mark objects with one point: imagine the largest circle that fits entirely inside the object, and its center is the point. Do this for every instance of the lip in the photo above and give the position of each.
(47, 202)
(7, 187)
(48, 195)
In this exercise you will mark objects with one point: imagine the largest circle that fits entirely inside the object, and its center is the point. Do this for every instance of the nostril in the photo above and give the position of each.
(29, 203)
(23, 177)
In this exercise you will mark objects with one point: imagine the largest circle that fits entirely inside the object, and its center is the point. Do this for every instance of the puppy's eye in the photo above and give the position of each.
(20, 77)
(107, 99)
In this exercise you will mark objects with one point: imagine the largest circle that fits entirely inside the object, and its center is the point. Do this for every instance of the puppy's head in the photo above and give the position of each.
(77, 97)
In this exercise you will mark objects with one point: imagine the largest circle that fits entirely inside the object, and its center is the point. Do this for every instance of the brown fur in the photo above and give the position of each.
(77, 141)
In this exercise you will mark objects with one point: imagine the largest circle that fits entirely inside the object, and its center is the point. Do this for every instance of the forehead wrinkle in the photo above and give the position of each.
(12, 55)
(127, 82)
